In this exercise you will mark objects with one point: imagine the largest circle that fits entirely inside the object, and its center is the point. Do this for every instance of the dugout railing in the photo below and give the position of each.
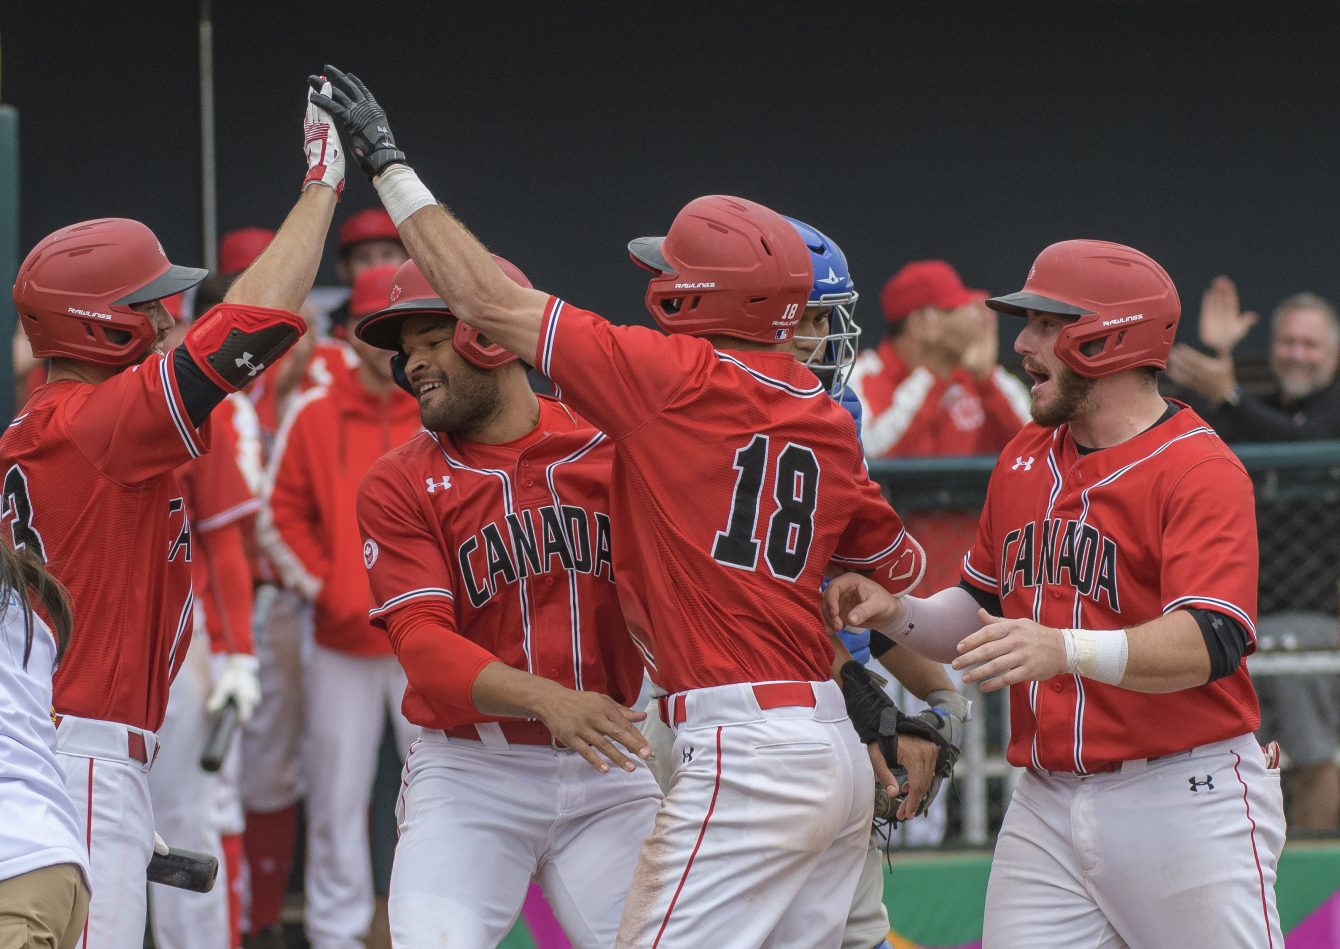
(1298, 520)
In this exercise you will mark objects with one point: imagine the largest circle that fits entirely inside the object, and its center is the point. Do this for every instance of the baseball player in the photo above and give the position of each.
(487, 542)
(825, 341)
(1112, 587)
(44, 874)
(736, 481)
(89, 487)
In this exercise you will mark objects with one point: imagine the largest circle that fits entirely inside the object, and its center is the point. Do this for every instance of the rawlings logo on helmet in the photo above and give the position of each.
(395, 292)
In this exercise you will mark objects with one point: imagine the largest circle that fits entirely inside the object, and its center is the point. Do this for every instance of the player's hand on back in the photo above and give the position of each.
(1006, 651)
(595, 726)
(364, 121)
(854, 600)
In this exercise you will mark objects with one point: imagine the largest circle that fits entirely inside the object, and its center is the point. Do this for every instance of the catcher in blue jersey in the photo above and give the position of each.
(826, 342)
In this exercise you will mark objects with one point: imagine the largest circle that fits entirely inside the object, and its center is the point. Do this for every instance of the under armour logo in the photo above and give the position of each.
(1207, 784)
(687, 755)
(1021, 462)
(432, 485)
(245, 360)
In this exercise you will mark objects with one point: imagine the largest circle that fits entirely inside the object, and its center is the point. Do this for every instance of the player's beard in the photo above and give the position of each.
(1074, 396)
(470, 401)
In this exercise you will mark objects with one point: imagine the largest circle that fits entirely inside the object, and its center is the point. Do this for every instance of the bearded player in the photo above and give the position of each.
(733, 487)
(1112, 588)
(89, 487)
(487, 543)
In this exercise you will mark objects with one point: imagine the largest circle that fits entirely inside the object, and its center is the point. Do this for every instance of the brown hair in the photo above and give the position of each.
(23, 573)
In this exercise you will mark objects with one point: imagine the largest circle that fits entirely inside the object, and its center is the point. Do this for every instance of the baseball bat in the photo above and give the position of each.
(184, 869)
(220, 738)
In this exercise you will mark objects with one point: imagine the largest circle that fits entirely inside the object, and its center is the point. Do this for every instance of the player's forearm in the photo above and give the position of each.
(462, 270)
(230, 589)
(916, 673)
(933, 626)
(282, 275)
(1166, 655)
(500, 689)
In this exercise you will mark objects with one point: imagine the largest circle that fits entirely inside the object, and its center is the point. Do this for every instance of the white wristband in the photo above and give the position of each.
(402, 192)
(1098, 654)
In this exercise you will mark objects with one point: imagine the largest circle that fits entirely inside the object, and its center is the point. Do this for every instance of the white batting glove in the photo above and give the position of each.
(236, 677)
(160, 845)
(321, 142)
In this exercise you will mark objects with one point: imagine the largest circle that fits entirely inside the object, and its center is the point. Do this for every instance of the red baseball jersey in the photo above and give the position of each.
(1111, 539)
(516, 540)
(309, 528)
(221, 489)
(737, 479)
(909, 411)
(89, 483)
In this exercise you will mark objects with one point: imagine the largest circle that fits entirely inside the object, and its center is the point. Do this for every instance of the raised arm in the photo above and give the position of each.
(456, 264)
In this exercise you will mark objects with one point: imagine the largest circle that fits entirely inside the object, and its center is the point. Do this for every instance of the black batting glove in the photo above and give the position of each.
(364, 121)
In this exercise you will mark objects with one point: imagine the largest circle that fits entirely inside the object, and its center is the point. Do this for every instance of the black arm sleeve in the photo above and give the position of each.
(1226, 640)
(199, 394)
(880, 644)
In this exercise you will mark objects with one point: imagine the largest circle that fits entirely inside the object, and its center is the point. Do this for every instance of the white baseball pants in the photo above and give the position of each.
(479, 821)
(347, 701)
(764, 830)
(1177, 851)
(109, 786)
(183, 797)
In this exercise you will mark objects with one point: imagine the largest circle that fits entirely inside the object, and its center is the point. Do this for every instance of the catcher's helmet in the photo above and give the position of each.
(75, 290)
(834, 354)
(410, 294)
(1126, 304)
(728, 267)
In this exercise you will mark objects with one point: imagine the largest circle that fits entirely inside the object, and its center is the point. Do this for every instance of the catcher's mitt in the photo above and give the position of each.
(878, 720)
(871, 710)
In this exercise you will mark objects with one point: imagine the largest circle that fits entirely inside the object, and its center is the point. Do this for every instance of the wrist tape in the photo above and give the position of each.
(402, 192)
(1097, 654)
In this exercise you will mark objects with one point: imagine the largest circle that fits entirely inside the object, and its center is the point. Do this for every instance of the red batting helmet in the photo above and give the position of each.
(729, 267)
(1126, 304)
(75, 290)
(410, 294)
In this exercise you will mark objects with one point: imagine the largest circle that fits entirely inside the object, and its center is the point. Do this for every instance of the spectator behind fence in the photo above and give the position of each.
(934, 386)
(1298, 605)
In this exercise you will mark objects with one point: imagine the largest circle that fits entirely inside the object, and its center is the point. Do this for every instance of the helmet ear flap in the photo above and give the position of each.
(398, 363)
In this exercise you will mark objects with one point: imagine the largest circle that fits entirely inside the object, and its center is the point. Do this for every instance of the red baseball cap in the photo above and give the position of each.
(372, 290)
(237, 249)
(374, 224)
(924, 283)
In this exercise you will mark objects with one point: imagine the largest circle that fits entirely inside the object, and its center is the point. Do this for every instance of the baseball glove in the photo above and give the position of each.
(942, 726)
(871, 710)
(878, 720)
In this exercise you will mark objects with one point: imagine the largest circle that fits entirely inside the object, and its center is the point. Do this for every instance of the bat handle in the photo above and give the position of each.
(184, 869)
(220, 738)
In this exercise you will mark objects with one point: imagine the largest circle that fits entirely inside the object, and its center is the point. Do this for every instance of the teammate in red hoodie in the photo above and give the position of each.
(328, 441)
